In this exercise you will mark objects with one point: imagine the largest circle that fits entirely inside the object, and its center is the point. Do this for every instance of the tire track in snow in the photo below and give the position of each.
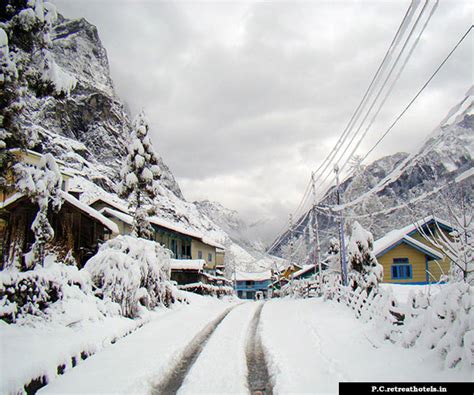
(171, 383)
(258, 376)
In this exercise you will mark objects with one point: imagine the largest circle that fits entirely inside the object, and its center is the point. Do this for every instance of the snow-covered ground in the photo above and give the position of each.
(225, 352)
(312, 345)
(135, 362)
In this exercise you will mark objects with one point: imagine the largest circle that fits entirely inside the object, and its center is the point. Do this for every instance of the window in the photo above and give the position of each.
(400, 260)
(401, 269)
(174, 247)
(209, 257)
(199, 254)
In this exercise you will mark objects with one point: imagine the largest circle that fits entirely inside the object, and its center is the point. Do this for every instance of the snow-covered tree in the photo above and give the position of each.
(364, 270)
(140, 175)
(333, 259)
(132, 272)
(26, 64)
(458, 246)
(42, 184)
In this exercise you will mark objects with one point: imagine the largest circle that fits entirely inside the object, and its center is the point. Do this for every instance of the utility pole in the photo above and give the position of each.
(315, 225)
(292, 248)
(341, 230)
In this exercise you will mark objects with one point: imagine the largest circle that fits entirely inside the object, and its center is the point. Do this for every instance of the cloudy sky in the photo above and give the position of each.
(246, 98)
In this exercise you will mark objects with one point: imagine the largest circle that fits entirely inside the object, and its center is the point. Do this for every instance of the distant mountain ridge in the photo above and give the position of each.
(442, 158)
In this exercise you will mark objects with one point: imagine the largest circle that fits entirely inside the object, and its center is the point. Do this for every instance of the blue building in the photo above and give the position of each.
(249, 285)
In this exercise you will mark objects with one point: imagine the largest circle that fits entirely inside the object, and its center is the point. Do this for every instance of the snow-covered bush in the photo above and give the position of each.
(364, 270)
(132, 272)
(45, 291)
(443, 322)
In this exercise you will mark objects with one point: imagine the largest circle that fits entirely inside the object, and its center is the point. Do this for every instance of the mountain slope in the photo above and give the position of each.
(400, 179)
(86, 125)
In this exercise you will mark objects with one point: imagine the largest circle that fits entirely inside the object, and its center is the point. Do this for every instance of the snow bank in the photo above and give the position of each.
(330, 346)
(207, 289)
(443, 323)
(132, 272)
(433, 318)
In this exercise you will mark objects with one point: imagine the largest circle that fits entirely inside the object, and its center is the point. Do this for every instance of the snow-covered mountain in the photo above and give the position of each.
(401, 178)
(86, 125)
(231, 222)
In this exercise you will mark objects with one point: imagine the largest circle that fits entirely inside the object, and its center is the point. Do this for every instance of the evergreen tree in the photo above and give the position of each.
(43, 185)
(364, 270)
(140, 175)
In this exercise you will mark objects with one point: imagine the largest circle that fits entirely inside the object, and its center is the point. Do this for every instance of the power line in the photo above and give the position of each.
(419, 92)
(380, 185)
(355, 116)
(381, 89)
(397, 77)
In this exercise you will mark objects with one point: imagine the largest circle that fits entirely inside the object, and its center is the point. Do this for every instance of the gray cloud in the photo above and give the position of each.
(246, 98)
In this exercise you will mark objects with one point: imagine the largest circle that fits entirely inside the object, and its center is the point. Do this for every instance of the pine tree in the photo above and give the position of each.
(365, 271)
(140, 175)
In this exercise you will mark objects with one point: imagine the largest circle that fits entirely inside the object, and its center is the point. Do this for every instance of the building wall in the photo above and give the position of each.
(248, 289)
(416, 259)
(220, 255)
(197, 246)
(436, 268)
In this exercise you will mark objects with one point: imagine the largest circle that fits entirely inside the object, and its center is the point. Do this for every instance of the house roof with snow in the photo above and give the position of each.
(112, 226)
(187, 264)
(32, 157)
(84, 208)
(403, 236)
(128, 219)
(253, 276)
(303, 271)
(108, 201)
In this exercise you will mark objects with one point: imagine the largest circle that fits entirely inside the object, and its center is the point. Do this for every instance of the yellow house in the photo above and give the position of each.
(408, 257)
(183, 243)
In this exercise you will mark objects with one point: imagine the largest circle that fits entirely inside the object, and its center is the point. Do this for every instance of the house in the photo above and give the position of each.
(188, 271)
(184, 243)
(77, 227)
(290, 270)
(408, 257)
(248, 284)
(306, 272)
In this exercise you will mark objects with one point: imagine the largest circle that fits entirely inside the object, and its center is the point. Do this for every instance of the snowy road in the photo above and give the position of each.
(309, 346)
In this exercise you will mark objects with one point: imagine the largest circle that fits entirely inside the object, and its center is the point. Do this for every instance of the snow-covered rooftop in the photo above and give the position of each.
(305, 269)
(187, 264)
(128, 219)
(258, 276)
(111, 202)
(112, 226)
(402, 234)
